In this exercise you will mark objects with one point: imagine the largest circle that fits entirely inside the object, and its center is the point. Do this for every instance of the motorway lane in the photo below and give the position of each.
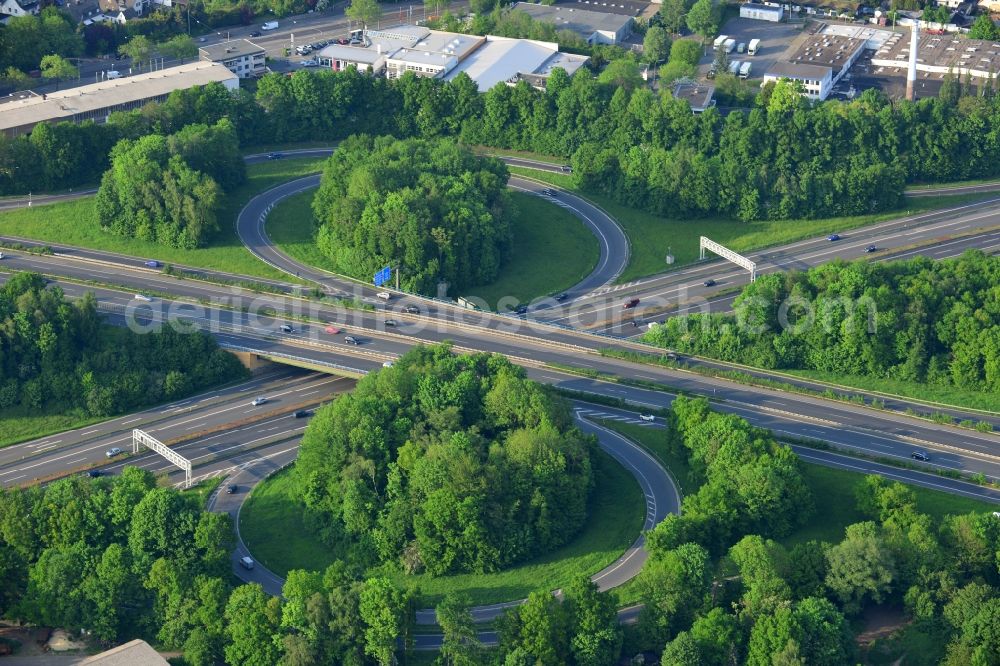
(805, 416)
(81, 448)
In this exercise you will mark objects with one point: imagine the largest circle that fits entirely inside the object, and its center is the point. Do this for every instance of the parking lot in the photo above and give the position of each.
(774, 38)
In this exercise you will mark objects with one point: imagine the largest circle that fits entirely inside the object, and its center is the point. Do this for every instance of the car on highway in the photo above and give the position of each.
(274, 156)
(302, 413)
(94, 473)
(1, 255)
(631, 303)
(411, 309)
(562, 297)
(920, 455)
(871, 248)
(647, 417)
(246, 562)
(390, 322)
(331, 330)
(255, 33)
(351, 340)
(833, 237)
(386, 364)
(709, 282)
(258, 401)
(384, 295)
(285, 328)
(142, 297)
(566, 168)
(152, 263)
(112, 452)
(521, 309)
(231, 488)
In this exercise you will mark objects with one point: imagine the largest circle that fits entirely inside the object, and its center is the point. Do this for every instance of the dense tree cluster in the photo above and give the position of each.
(54, 353)
(431, 209)
(25, 40)
(917, 320)
(446, 463)
(168, 189)
(782, 159)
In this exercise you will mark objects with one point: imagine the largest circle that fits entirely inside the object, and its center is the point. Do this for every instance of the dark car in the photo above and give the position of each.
(629, 304)
(521, 309)
(94, 473)
(411, 309)
(302, 413)
(152, 263)
(274, 156)
(351, 340)
(920, 455)
(833, 237)
(255, 33)
(390, 322)
(231, 488)
(562, 297)
(709, 283)
(871, 248)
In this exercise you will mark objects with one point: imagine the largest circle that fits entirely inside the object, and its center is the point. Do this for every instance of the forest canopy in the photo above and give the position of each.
(446, 463)
(431, 209)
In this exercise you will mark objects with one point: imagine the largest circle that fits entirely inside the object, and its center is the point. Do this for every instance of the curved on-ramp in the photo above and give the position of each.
(661, 496)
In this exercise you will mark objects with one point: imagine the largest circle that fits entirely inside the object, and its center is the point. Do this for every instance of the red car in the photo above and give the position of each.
(631, 304)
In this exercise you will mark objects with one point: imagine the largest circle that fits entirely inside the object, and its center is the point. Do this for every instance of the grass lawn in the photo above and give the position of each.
(74, 223)
(20, 424)
(273, 529)
(553, 250)
(285, 147)
(526, 154)
(948, 395)
(651, 236)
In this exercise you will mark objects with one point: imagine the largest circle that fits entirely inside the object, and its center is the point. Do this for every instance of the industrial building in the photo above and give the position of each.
(434, 54)
(96, 101)
(596, 27)
(819, 63)
(752, 10)
(700, 96)
(243, 58)
(937, 55)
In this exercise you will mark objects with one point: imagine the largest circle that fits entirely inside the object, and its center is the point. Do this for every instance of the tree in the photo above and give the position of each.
(381, 606)
(861, 567)
(57, 67)
(682, 651)
(704, 18)
(672, 12)
(656, 44)
(622, 73)
(537, 631)
(178, 47)
(984, 28)
(364, 11)
(252, 620)
(593, 618)
(139, 49)
(460, 645)
(673, 587)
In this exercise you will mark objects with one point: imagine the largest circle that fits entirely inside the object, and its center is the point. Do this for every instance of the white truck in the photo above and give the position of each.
(719, 41)
(752, 48)
(734, 67)
(745, 69)
(729, 45)
(270, 25)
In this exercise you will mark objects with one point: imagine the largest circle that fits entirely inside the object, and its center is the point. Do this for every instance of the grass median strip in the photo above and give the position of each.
(273, 526)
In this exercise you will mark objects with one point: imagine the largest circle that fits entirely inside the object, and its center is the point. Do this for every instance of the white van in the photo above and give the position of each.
(246, 562)
(114, 74)
(270, 25)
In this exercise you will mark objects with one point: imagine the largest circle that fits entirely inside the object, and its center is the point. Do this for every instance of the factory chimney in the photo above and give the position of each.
(911, 72)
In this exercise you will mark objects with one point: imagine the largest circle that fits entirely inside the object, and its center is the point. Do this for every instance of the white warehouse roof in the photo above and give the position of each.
(502, 58)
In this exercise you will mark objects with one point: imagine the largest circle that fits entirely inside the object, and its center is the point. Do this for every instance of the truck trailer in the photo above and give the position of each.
(754, 45)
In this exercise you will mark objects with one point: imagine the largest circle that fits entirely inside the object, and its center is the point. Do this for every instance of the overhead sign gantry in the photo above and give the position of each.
(729, 255)
(139, 437)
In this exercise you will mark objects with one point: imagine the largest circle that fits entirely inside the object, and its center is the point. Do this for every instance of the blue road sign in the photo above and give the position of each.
(383, 276)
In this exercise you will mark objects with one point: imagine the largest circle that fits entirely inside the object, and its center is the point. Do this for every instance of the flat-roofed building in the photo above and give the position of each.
(339, 57)
(507, 60)
(595, 26)
(816, 80)
(133, 653)
(243, 58)
(937, 55)
(97, 101)
(700, 96)
(434, 55)
(752, 10)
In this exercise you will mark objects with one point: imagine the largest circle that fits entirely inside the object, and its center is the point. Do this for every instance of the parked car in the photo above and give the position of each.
(709, 282)
(231, 488)
(152, 263)
(672, 356)
(258, 401)
(310, 63)
(411, 309)
(833, 237)
(920, 455)
(302, 413)
(631, 303)
(351, 340)
(871, 248)
(342, 41)
(111, 453)
(1, 255)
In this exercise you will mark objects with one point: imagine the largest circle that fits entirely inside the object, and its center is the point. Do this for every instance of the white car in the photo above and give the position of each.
(111, 453)
(386, 364)
(1, 255)
(647, 417)
(384, 295)
(257, 402)
(142, 297)
(310, 63)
